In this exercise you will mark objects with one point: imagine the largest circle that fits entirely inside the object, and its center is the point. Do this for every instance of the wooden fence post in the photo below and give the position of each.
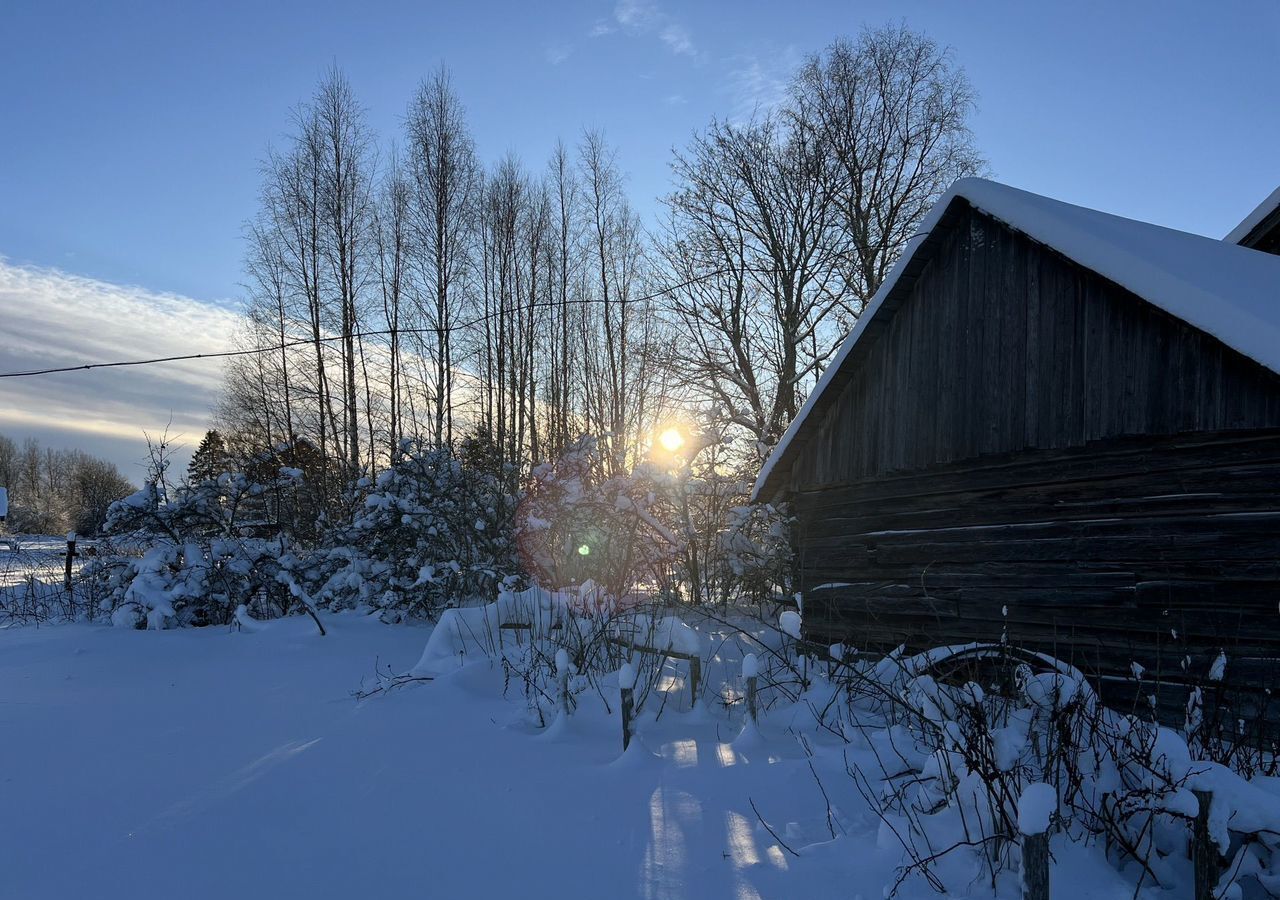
(752, 687)
(562, 680)
(626, 685)
(1035, 866)
(71, 554)
(66, 574)
(1204, 852)
(628, 710)
(695, 677)
(1036, 807)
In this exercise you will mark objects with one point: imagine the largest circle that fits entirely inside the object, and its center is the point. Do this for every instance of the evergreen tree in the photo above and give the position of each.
(210, 459)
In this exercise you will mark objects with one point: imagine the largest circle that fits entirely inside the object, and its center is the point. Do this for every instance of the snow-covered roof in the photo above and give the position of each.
(1230, 292)
(1254, 219)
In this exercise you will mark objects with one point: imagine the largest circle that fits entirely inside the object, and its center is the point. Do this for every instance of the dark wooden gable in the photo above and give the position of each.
(1264, 236)
(998, 344)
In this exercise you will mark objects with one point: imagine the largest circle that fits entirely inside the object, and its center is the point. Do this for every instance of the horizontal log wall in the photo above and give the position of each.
(1159, 551)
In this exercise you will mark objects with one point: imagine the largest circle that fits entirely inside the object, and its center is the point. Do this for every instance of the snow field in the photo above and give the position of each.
(220, 762)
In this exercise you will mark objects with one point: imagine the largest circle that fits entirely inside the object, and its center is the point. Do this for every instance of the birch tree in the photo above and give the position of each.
(446, 180)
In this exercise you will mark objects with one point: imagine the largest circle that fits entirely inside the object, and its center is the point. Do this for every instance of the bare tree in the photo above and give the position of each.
(892, 110)
(342, 142)
(620, 336)
(446, 178)
(566, 247)
(391, 236)
(780, 230)
(51, 490)
(752, 242)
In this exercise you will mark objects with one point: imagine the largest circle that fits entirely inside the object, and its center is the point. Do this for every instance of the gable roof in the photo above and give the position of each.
(1261, 220)
(1225, 290)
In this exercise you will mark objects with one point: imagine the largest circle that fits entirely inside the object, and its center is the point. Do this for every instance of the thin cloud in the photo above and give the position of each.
(51, 318)
(557, 53)
(641, 18)
(758, 84)
(677, 39)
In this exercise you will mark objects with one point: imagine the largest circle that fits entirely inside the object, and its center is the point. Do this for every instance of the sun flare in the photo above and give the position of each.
(671, 440)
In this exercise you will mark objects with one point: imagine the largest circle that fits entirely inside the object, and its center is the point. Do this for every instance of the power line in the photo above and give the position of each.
(275, 348)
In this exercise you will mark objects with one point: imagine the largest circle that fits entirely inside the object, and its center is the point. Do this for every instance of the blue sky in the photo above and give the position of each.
(131, 132)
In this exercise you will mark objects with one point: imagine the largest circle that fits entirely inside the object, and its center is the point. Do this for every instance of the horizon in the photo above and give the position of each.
(142, 133)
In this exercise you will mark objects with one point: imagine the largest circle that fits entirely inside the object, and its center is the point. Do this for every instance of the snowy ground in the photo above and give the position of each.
(206, 763)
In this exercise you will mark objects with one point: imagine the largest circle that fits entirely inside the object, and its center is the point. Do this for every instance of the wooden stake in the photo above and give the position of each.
(752, 685)
(1204, 852)
(695, 677)
(628, 710)
(71, 554)
(1035, 866)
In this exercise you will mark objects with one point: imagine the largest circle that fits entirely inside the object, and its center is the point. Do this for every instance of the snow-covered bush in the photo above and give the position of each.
(578, 523)
(756, 543)
(960, 733)
(200, 553)
(432, 531)
(531, 634)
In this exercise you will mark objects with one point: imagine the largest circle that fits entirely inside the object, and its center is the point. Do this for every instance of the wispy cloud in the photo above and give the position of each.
(51, 318)
(644, 18)
(677, 39)
(557, 53)
(758, 83)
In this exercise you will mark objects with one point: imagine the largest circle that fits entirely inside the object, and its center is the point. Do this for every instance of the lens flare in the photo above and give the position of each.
(671, 440)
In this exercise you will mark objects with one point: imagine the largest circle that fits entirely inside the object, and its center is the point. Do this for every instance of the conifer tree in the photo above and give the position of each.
(210, 459)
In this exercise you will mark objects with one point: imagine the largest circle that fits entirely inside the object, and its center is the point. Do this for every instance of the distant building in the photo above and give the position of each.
(1057, 425)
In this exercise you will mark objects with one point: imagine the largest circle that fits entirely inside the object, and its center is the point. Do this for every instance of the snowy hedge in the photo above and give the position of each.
(201, 555)
(431, 532)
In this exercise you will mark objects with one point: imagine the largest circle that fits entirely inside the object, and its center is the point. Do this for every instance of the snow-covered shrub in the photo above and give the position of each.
(578, 523)
(530, 633)
(431, 532)
(756, 543)
(200, 555)
(962, 732)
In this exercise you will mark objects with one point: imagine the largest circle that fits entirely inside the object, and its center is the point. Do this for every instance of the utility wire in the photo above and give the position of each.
(275, 348)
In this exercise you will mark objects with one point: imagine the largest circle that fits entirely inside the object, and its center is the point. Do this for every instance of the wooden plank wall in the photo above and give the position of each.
(1020, 434)
(1002, 344)
(1163, 552)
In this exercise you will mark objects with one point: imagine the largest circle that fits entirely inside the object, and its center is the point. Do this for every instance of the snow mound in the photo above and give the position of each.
(1037, 804)
(464, 634)
(665, 633)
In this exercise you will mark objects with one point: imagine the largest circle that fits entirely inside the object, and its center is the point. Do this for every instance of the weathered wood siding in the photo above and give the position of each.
(1002, 344)
(1163, 552)
(1023, 449)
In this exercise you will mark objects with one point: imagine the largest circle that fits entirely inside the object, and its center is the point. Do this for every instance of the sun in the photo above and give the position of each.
(671, 440)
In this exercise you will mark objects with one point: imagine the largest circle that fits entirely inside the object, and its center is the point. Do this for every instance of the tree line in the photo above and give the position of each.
(408, 290)
(52, 491)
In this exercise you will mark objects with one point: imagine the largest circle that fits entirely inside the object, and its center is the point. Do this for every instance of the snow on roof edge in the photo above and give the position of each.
(1251, 221)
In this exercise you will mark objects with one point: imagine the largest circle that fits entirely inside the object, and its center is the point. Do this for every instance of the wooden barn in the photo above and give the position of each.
(1058, 425)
